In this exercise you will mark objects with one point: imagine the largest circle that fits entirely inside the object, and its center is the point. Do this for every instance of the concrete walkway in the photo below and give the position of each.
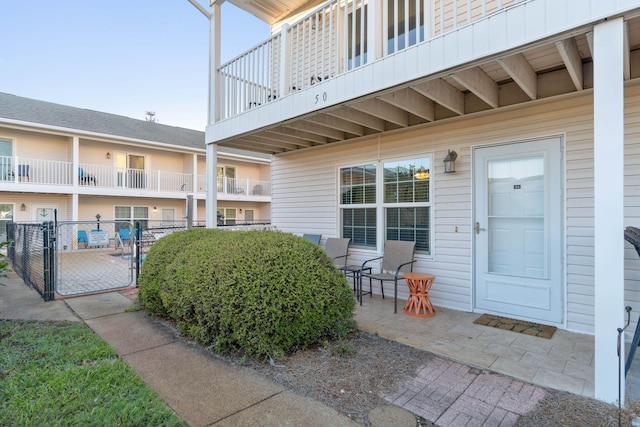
(206, 391)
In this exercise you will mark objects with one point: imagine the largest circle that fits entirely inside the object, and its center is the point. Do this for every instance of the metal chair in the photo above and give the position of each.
(338, 250)
(85, 179)
(397, 259)
(314, 238)
(23, 171)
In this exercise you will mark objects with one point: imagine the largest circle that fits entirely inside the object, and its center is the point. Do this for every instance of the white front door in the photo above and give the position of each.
(518, 230)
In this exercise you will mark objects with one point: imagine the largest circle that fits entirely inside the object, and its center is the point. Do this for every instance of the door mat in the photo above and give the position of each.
(520, 326)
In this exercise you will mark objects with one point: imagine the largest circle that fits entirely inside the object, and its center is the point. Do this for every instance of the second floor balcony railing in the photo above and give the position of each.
(49, 172)
(243, 186)
(336, 38)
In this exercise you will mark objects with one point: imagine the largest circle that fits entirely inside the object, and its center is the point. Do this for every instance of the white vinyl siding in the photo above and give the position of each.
(304, 192)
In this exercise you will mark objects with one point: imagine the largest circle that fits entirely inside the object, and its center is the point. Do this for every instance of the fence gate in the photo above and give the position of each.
(94, 256)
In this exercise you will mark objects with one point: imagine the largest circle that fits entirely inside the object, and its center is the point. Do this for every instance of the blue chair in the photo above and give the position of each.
(85, 179)
(124, 236)
(82, 238)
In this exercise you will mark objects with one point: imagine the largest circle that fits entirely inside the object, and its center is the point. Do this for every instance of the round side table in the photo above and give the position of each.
(419, 304)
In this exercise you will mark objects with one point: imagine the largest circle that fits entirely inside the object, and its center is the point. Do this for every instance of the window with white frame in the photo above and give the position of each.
(400, 190)
(130, 214)
(358, 204)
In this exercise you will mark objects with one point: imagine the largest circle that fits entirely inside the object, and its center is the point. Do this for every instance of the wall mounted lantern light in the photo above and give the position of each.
(108, 155)
(450, 162)
(23, 207)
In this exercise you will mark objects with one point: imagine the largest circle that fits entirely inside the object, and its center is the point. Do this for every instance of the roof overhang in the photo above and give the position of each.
(273, 11)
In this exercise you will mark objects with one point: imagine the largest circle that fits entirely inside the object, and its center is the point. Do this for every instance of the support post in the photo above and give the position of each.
(608, 106)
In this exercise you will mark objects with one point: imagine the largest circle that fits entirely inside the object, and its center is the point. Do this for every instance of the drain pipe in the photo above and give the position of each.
(620, 331)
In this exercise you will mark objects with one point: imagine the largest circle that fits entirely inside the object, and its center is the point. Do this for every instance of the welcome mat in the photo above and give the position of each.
(520, 326)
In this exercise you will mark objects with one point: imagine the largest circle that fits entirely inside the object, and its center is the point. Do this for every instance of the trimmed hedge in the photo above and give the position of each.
(263, 293)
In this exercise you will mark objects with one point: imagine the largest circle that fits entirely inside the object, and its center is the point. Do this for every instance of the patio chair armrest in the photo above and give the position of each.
(402, 265)
(369, 260)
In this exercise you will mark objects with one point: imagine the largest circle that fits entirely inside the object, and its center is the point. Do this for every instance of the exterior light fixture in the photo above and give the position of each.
(23, 207)
(98, 216)
(155, 209)
(450, 162)
(108, 155)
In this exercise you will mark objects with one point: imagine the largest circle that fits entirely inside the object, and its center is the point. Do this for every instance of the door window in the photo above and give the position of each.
(131, 170)
(226, 179)
(6, 153)
(516, 203)
(6, 215)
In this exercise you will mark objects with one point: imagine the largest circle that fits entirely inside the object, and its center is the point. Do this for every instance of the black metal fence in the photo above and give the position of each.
(79, 257)
(31, 253)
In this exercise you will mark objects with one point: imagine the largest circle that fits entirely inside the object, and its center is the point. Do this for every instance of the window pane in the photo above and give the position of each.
(358, 185)
(360, 226)
(390, 192)
(407, 181)
(422, 190)
(123, 212)
(409, 224)
(140, 212)
(370, 174)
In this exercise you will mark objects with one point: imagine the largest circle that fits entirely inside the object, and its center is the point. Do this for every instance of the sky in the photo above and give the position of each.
(124, 57)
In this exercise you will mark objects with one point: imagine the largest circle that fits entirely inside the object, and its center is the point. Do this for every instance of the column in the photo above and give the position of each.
(608, 104)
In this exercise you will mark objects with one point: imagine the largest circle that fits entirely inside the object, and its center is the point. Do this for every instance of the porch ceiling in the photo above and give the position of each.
(550, 69)
(273, 11)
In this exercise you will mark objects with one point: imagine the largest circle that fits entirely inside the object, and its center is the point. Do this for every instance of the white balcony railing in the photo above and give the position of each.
(336, 38)
(242, 186)
(49, 172)
(128, 178)
(35, 171)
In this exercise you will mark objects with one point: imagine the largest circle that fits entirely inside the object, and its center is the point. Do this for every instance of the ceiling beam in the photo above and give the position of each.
(317, 139)
(270, 142)
(411, 101)
(384, 111)
(285, 138)
(627, 52)
(589, 37)
(570, 55)
(307, 126)
(479, 83)
(252, 146)
(443, 93)
(358, 117)
(337, 123)
(522, 73)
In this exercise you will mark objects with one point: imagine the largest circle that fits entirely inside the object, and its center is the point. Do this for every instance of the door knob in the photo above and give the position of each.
(478, 229)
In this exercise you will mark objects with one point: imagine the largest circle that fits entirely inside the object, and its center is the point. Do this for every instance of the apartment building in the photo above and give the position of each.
(82, 163)
(500, 135)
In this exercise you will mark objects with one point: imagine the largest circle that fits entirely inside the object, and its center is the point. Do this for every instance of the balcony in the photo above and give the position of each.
(352, 68)
(336, 38)
(95, 179)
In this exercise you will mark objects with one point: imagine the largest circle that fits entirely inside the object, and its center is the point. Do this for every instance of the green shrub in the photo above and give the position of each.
(263, 293)
(161, 254)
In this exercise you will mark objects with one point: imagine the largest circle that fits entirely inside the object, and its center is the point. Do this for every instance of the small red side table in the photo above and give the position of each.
(419, 304)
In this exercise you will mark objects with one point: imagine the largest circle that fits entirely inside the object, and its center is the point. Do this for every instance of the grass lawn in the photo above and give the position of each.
(62, 374)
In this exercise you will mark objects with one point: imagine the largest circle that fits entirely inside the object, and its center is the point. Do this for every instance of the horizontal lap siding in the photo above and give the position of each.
(304, 198)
